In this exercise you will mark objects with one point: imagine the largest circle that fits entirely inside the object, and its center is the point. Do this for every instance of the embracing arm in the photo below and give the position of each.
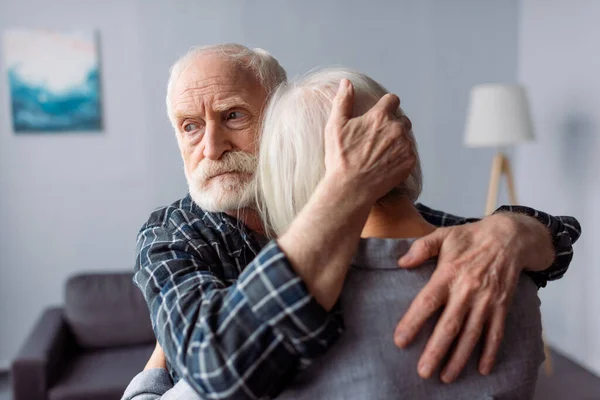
(365, 157)
(561, 232)
(478, 268)
(239, 341)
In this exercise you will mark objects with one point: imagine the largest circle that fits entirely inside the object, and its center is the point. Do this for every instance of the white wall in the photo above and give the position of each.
(75, 202)
(559, 62)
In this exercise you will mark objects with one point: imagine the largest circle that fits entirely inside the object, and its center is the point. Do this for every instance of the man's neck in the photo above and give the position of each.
(396, 218)
(249, 217)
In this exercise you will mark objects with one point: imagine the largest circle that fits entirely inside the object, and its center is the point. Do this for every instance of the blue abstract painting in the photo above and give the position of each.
(53, 80)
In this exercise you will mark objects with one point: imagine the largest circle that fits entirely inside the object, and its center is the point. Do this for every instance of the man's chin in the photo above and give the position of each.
(221, 200)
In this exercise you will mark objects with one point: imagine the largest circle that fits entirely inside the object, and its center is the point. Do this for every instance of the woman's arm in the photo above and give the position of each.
(150, 384)
(157, 359)
(153, 382)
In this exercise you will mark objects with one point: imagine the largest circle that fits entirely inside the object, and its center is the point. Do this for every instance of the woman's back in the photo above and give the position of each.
(366, 364)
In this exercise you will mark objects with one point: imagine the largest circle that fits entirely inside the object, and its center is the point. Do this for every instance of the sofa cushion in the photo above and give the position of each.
(107, 310)
(101, 374)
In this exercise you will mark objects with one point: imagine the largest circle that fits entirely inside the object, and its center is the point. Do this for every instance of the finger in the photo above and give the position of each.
(388, 104)
(493, 340)
(427, 302)
(466, 343)
(495, 330)
(343, 104)
(446, 329)
(407, 122)
(423, 249)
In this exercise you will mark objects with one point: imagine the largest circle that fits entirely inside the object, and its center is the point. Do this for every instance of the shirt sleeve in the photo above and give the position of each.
(564, 230)
(244, 340)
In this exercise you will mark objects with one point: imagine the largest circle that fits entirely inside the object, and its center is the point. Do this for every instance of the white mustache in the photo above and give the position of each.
(237, 161)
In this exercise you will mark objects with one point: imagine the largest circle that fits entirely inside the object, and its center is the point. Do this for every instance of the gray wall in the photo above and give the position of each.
(428, 52)
(559, 61)
(74, 203)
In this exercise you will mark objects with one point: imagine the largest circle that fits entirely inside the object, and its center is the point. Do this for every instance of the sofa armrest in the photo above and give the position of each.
(43, 356)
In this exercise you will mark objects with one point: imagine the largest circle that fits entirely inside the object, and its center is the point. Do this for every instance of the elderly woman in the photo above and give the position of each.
(365, 363)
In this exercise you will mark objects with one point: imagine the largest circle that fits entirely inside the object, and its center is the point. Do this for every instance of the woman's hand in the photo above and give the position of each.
(157, 359)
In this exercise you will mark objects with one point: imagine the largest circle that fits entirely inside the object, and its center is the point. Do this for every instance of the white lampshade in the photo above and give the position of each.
(498, 116)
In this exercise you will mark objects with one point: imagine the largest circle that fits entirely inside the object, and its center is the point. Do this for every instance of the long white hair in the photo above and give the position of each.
(292, 153)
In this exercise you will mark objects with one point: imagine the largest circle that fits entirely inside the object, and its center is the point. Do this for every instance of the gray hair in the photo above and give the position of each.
(267, 69)
(292, 150)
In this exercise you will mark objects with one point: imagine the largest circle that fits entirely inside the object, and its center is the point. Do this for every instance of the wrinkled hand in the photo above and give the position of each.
(371, 152)
(477, 272)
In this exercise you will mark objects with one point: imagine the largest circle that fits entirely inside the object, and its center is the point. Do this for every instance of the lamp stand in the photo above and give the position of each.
(501, 166)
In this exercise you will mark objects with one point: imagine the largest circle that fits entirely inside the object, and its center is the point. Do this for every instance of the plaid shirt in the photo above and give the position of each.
(232, 316)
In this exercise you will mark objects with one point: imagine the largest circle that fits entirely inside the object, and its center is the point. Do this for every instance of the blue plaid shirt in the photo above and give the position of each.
(234, 319)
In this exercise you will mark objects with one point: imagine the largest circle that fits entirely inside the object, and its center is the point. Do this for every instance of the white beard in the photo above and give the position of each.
(229, 192)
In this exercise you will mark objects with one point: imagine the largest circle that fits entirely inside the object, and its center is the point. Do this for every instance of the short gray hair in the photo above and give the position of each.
(292, 150)
(267, 69)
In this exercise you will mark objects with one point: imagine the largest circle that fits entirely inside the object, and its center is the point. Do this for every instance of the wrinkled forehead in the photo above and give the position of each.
(217, 75)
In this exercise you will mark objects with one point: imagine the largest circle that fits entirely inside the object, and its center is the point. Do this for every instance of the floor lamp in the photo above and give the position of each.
(499, 117)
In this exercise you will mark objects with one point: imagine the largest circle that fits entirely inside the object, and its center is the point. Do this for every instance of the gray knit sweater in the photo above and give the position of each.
(365, 363)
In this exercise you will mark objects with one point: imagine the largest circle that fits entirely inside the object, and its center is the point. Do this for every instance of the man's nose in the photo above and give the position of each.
(216, 142)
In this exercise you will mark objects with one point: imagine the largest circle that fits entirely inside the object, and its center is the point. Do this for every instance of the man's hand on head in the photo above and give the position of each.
(478, 269)
(371, 152)
(365, 157)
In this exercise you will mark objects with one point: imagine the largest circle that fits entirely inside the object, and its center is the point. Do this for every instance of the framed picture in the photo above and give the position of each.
(53, 81)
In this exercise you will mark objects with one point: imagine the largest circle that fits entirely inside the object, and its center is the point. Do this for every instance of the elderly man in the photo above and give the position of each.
(237, 316)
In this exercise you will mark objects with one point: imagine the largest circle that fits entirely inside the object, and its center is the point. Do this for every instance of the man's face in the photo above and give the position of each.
(216, 109)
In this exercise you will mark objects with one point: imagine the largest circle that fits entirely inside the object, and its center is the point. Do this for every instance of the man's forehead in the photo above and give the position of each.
(217, 78)
(220, 96)
(215, 85)
(212, 70)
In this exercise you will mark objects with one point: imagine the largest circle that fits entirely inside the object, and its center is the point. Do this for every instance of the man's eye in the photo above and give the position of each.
(190, 127)
(235, 115)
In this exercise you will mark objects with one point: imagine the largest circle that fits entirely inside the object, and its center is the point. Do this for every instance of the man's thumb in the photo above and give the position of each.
(423, 249)
(343, 103)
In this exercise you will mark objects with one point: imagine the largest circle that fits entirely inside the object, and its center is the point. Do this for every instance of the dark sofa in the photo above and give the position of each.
(89, 349)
